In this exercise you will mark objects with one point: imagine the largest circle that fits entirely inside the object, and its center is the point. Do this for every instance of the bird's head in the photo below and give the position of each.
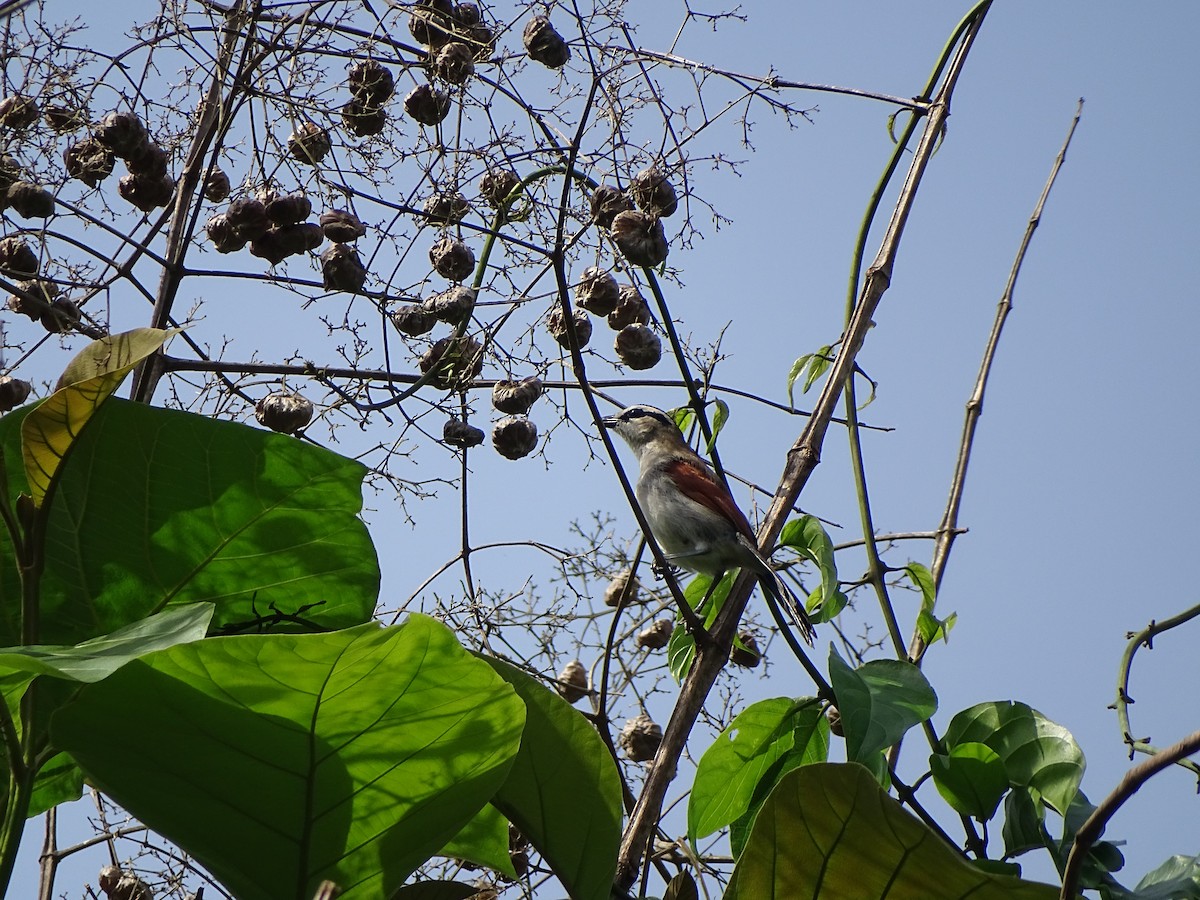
(643, 426)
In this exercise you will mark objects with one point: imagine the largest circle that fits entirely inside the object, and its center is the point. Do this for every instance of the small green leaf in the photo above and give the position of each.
(971, 778)
(997, 867)
(1024, 818)
(813, 365)
(719, 418)
(483, 841)
(682, 887)
(681, 648)
(1178, 876)
(807, 536)
(929, 626)
(820, 610)
(879, 701)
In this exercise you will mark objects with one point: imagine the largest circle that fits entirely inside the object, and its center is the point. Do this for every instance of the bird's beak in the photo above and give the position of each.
(609, 421)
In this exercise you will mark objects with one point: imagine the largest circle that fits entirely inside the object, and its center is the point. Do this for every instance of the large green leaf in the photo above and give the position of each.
(971, 778)
(1037, 752)
(828, 830)
(156, 507)
(1176, 879)
(879, 701)
(563, 792)
(282, 760)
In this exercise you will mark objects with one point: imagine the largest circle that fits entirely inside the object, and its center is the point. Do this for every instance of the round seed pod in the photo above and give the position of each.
(18, 112)
(130, 887)
(108, 878)
(638, 347)
(458, 433)
(515, 397)
(147, 192)
(572, 682)
(273, 246)
(64, 119)
(452, 259)
(467, 14)
(223, 234)
(302, 237)
(496, 185)
(656, 636)
(520, 862)
(427, 105)
(248, 216)
(61, 317)
(556, 325)
(148, 159)
(544, 44)
(597, 291)
(371, 82)
(480, 37)
(432, 22)
(446, 207)
(514, 437)
(30, 201)
(16, 259)
(640, 238)
(364, 118)
(10, 173)
(121, 132)
(453, 63)
(309, 143)
(452, 305)
(342, 226)
(834, 715)
(13, 392)
(216, 186)
(46, 291)
(653, 193)
(640, 738)
(631, 309)
(452, 361)
(620, 584)
(284, 411)
(414, 319)
(288, 209)
(745, 652)
(341, 269)
(89, 161)
(606, 202)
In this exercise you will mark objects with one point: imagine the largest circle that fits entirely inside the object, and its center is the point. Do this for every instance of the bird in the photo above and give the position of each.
(691, 513)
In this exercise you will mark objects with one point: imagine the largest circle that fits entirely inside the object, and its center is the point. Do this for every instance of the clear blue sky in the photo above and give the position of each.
(1081, 495)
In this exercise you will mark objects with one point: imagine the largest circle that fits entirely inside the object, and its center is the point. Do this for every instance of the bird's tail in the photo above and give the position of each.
(774, 584)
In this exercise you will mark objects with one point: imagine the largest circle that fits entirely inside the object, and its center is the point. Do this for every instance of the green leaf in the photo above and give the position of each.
(158, 507)
(879, 701)
(814, 364)
(484, 842)
(51, 428)
(1037, 752)
(58, 781)
(971, 778)
(1024, 818)
(1178, 878)
(807, 536)
(821, 610)
(681, 647)
(828, 830)
(563, 791)
(436, 890)
(930, 627)
(100, 657)
(720, 417)
(282, 760)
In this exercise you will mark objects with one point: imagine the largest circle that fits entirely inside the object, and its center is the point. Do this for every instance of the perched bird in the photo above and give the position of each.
(693, 516)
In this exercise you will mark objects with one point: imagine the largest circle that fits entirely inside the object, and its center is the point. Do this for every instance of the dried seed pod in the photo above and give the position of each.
(653, 193)
(10, 173)
(640, 238)
(467, 14)
(364, 118)
(309, 143)
(16, 259)
(371, 82)
(452, 259)
(745, 652)
(452, 305)
(557, 326)
(30, 201)
(216, 186)
(284, 411)
(607, 202)
(270, 246)
(597, 291)
(288, 209)
(453, 63)
(496, 185)
(620, 585)
(432, 22)
(18, 112)
(514, 437)
(458, 433)
(452, 361)
(223, 234)
(130, 887)
(342, 226)
(147, 192)
(13, 392)
(446, 207)
(656, 636)
(834, 715)
(108, 878)
(121, 132)
(640, 738)
(544, 44)
(427, 105)
(148, 159)
(341, 269)
(480, 37)
(572, 681)
(515, 397)
(638, 347)
(631, 309)
(414, 319)
(89, 161)
(302, 237)
(46, 291)
(248, 216)
(64, 119)
(61, 317)
(520, 862)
